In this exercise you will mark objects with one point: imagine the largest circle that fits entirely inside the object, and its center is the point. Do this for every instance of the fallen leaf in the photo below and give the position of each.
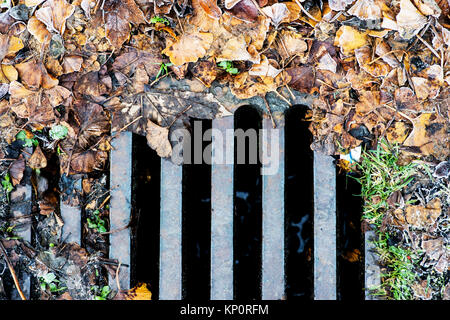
(349, 39)
(118, 15)
(429, 134)
(16, 170)
(189, 48)
(54, 13)
(37, 159)
(366, 10)
(34, 75)
(72, 64)
(38, 30)
(158, 139)
(264, 69)
(139, 292)
(276, 12)
(409, 20)
(339, 5)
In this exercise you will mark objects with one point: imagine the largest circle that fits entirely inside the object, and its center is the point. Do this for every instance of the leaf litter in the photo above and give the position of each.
(373, 68)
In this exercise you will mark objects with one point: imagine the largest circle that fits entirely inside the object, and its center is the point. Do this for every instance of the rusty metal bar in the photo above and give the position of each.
(372, 274)
(21, 210)
(120, 206)
(71, 215)
(170, 267)
(324, 227)
(222, 209)
(273, 273)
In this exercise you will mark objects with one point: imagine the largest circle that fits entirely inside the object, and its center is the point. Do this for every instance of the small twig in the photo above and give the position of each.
(305, 12)
(382, 56)
(429, 47)
(126, 126)
(270, 112)
(156, 80)
(117, 277)
(179, 114)
(13, 273)
(116, 230)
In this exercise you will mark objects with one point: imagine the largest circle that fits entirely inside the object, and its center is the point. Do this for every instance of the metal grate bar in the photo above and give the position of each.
(120, 206)
(372, 270)
(324, 227)
(71, 215)
(273, 275)
(21, 210)
(222, 211)
(170, 272)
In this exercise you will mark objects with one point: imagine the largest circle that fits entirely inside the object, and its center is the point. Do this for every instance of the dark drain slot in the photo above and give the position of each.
(145, 213)
(196, 236)
(350, 241)
(248, 210)
(299, 205)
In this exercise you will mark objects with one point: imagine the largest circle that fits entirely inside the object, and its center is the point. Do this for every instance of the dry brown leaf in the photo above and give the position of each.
(376, 68)
(398, 132)
(37, 159)
(205, 71)
(118, 15)
(291, 44)
(34, 75)
(264, 69)
(429, 135)
(422, 216)
(158, 139)
(189, 48)
(210, 7)
(16, 170)
(72, 64)
(8, 74)
(54, 13)
(38, 30)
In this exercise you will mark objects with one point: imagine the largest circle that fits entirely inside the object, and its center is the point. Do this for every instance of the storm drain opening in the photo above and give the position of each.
(196, 234)
(350, 240)
(145, 213)
(299, 205)
(248, 204)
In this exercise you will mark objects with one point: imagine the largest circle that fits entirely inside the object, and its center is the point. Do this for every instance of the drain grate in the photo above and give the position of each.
(276, 277)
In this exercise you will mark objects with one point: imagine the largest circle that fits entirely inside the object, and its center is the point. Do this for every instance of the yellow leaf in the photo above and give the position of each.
(15, 44)
(10, 72)
(139, 292)
(349, 39)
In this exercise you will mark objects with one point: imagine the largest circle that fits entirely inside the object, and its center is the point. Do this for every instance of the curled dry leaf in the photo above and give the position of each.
(291, 44)
(210, 7)
(205, 71)
(139, 292)
(409, 20)
(38, 30)
(189, 48)
(264, 69)
(54, 13)
(158, 139)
